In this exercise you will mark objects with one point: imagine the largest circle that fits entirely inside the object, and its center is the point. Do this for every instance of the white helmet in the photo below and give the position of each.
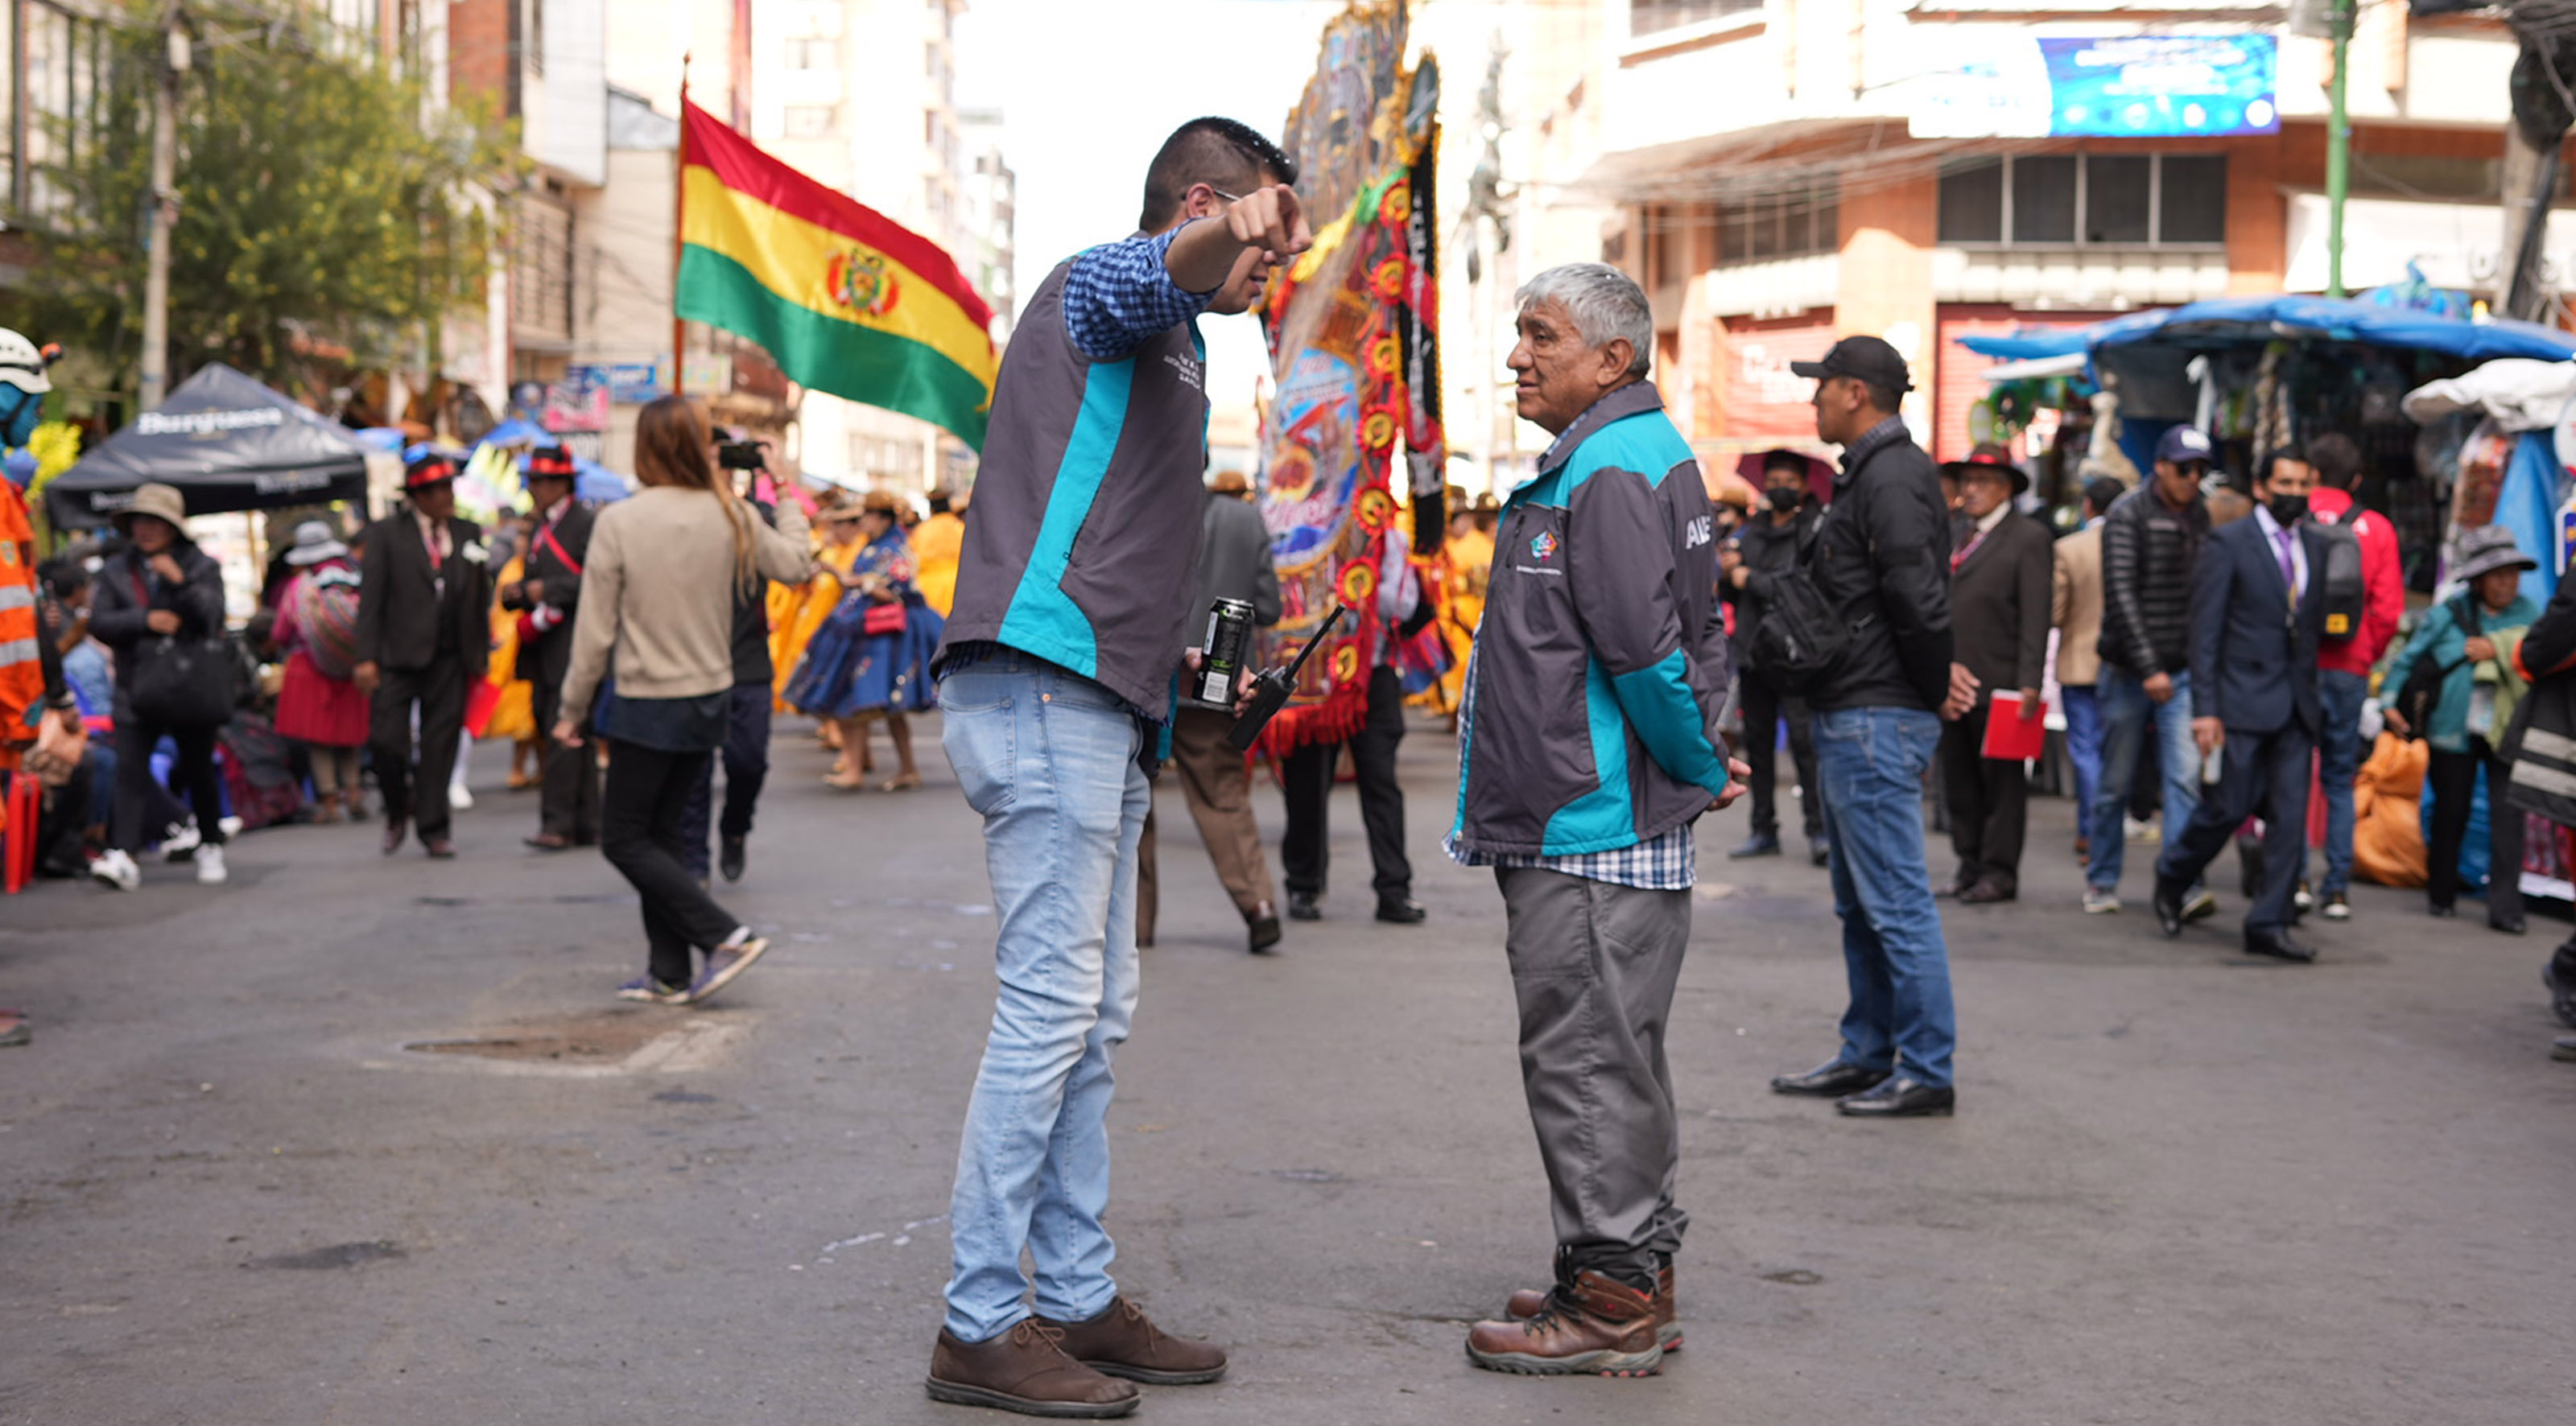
(21, 365)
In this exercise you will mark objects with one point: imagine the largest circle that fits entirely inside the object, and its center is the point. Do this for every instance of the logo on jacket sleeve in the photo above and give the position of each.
(1702, 529)
(1544, 545)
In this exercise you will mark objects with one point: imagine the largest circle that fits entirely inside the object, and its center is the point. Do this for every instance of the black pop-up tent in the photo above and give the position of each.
(227, 443)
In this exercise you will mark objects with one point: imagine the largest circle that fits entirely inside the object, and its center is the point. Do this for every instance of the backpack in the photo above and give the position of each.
(2422, 691)
(1802, 634)
(326, 606)
(2338, 580)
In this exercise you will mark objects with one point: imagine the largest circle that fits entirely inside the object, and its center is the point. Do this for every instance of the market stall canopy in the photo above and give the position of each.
(2227, 321)
(227, 443)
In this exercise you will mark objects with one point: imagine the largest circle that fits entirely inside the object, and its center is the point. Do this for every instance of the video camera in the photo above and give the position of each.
(748, 454)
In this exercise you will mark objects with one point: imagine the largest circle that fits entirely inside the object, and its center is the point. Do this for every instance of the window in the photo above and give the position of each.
(811, 121)
(2058, 200)
(1646, 17)
(813, 54)
(1791, 224)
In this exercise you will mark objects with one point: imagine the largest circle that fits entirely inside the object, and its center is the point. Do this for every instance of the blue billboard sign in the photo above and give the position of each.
(2163, 86)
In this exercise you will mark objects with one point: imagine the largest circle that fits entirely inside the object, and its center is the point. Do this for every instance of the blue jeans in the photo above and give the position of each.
(2338, 763)
(1870, 762)
(2083, 748)
(2126, 711)
(1048, 758)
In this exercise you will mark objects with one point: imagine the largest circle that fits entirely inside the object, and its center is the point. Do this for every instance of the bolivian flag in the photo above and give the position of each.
(842, 298)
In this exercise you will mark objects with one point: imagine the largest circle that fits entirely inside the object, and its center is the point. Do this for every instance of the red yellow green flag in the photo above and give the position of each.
(844, 299)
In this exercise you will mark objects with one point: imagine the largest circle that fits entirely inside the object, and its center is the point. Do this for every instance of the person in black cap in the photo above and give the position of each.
(1768, 544)
(2000, 572)
(1882, 553)
(422, 638)
(547, 599)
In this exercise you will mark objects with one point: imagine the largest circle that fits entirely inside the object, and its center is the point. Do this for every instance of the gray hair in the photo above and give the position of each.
(1606, 304)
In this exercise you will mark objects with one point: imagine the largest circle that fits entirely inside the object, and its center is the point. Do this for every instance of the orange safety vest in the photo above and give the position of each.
(22, 670)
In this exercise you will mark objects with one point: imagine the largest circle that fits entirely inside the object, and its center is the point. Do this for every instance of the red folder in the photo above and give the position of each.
(2011, 737)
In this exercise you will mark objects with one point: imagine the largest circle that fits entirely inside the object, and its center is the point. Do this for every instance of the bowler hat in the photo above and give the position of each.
(428, 468)
(1868, 359)
(157, 500)
(549, 463)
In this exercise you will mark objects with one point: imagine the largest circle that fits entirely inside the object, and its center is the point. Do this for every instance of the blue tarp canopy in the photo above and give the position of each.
(2226, 321)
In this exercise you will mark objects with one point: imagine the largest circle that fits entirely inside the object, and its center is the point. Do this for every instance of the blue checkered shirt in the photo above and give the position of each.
(1120, 294)
(1666, 863)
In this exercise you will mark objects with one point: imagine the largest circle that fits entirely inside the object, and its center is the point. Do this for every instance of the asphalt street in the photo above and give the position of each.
(356, 1140)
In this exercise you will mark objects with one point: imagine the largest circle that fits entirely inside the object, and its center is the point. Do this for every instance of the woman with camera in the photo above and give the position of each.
(658, 596)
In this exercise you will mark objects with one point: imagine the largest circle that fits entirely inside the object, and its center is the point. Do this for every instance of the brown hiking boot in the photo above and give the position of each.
(1525, 1304)
(1024, 1370)
(1594, 1324)
(1122, 1342)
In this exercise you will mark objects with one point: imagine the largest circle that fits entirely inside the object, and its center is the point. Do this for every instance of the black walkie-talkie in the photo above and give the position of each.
(1271, 687)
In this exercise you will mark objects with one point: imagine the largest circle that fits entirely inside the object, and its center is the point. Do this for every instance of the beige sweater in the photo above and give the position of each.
(657, 592)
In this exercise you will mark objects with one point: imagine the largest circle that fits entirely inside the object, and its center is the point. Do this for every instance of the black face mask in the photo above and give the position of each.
(2288, 510)
(1785, 497)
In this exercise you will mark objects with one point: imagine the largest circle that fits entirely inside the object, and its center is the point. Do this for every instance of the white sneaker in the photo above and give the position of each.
(180, 840)
(458, 799)
(232, 826)
(2100, 902)
(2134, 830)
(115, 871)
(210, 864)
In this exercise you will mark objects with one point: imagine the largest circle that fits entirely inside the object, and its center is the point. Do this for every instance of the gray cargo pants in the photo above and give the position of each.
(1593, 967)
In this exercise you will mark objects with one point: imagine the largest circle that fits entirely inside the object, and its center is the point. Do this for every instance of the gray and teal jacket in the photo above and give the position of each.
(1600, 668)
(1082, 544)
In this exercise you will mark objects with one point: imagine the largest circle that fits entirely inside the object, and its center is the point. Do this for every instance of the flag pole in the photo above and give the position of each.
(679, 176)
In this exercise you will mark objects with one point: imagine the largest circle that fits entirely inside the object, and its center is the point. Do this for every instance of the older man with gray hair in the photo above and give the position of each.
(1604, 574)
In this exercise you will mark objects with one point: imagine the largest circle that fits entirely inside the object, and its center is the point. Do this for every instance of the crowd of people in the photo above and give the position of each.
(1900, 625)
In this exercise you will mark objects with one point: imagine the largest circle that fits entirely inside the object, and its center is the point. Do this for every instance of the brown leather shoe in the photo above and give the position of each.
(1122, 1342)
(1024, 1370)
(1594, 1325)
(1527, 1303)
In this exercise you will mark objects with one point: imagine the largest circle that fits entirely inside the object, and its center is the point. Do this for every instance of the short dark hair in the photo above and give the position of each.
(2101, 491)
(2270, 461)
(63, 576)
(1221, 153)
(1882, 398)
(2337, 459)
(1787, 460)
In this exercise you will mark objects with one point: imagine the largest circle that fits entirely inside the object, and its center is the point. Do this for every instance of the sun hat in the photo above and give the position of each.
(314, 543)
(160, 501)
(2489, 548)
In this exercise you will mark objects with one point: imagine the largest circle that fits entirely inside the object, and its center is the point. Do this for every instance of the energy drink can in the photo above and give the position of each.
(1227, 645)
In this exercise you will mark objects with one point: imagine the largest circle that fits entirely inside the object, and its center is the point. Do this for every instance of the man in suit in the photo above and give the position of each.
(1766, 546)
(547, 599)
(1999, 606)
(2256, 620)
(2075, 608)
(422, 638)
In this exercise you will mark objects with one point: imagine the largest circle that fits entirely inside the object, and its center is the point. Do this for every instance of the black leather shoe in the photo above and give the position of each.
(1302, 907)
(1831, 1080)
(1954, 887)
(1401, 911)
(733, 857)
(2443, 913)
(2563, 1048)
(1265, 934)
(1760, 844)
(2279, 946)
(2561, 987)
(396, 829)
(1901, 1098)
(1820, 851)
(2507, 925)
(1986, 893)
(2168, 904)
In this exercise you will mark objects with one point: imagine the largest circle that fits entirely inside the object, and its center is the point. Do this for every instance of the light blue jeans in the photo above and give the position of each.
(1048, 758)
(1870, 764)
(2339, 697)
(2127, 712)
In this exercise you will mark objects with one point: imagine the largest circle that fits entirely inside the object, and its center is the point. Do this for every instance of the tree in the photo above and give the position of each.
(321, 192)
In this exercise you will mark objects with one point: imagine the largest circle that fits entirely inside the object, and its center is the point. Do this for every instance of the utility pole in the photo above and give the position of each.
(164, 199)
(2339, 20)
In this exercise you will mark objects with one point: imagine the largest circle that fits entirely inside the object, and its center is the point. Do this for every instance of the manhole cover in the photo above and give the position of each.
(601, 1038)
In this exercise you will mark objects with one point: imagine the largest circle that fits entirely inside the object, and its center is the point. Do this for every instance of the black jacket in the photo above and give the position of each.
(126, 590)
(401, 610)
(2541, 744)
(1766, 549)
(1999, 603)
(2254, 657)
(1883, 555)
(2148, 550)
(548, 657)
